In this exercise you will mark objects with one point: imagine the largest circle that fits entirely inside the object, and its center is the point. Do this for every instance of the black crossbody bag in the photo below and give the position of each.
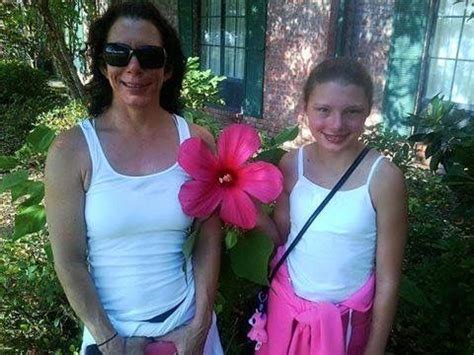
(262, 296)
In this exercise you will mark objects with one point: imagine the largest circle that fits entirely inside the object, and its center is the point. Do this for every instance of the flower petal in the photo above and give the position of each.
(198, 198)
(197, 160)
(237, 208)
(262, 180)
(236, 144)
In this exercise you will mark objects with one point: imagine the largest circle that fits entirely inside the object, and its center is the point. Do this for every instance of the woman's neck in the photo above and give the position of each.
(135, 120)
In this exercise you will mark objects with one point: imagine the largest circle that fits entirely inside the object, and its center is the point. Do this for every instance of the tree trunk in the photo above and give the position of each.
(60, 52)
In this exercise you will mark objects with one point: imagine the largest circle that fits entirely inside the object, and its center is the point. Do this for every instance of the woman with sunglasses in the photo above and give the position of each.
(116, 227)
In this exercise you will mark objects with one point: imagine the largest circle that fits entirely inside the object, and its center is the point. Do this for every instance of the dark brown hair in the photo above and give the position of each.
(343, 70)
(98, 89)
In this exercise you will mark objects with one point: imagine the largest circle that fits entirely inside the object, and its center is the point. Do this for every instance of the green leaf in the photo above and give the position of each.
(49, 252)
(231, 238)
(29, 220)
(29, 187)
(271, 155)
(411, 293)
(219, 303)
(188, 116)
(40, 139)
(188, 246)
(287, 135)
(7, 163)
(250, 257)
(13, 179)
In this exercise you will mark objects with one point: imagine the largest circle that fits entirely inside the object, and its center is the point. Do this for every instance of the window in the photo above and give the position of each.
(451, 55)
(222, 45)
(229, 38)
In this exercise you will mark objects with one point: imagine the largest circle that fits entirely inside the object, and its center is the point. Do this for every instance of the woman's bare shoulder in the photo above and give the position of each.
(68, 153)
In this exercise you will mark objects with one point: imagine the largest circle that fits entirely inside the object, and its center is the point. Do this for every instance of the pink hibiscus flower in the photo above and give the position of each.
(226, 180)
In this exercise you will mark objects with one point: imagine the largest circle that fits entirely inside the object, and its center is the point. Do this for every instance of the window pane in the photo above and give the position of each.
(204, 8)
(215, 31)
(231, 8)
(205, 57)
(240, 32)
(205, 33)
(215, 7)
(466, 51)
(446, 39)
(447, 8)
(215, 60)
(463, 90)
(239, 63)
(229, 54)
(241, 7)
(230, 32)
(440, 77)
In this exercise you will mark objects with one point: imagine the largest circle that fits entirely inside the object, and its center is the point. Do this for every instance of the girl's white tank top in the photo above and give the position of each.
(336, 255)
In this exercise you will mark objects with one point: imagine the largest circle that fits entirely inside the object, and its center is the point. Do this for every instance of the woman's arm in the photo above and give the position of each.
(206, 265)
(191, 338)
(66, 170)
(388, 193)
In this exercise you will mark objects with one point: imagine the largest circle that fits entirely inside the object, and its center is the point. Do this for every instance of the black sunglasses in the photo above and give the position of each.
(149, 57)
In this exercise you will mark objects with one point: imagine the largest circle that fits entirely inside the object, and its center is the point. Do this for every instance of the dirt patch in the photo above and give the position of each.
(7, 214)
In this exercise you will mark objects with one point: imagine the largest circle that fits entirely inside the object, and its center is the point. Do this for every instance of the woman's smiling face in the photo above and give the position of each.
(132, 85)
(336, 114)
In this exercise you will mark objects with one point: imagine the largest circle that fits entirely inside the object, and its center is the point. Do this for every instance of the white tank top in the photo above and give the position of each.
(336, 255)
(135, 234)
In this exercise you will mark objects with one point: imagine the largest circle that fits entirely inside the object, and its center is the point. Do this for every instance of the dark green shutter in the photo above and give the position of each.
(185, 19)
(256, 20)
(405, 59)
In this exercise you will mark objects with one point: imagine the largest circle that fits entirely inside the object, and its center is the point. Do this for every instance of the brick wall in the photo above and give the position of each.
(369, 31)
(296, 39)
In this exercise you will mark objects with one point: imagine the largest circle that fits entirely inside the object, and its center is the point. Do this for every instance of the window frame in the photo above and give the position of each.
(434, 15)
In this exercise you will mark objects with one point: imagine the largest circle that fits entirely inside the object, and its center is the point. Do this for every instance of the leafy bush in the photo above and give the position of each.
(448, 133)
(33, 313)
(391, 144)
(62, 118)
(200, 87)
(20, 81)
(24, 94)
(436, 311)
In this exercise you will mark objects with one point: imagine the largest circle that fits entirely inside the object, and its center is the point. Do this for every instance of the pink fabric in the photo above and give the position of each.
(296, 326)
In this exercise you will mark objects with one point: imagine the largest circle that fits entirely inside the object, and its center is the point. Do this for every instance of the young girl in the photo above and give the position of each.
(323, 299)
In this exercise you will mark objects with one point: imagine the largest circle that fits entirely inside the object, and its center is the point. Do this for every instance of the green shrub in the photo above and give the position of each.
(436, 311)
(34, 313)
(20, 81)
(24, 94)
(448, 133)
(62, 118)
(200, 87)
(391, 144)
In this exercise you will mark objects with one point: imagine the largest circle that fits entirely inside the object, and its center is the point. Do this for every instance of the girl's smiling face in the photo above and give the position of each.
(336, 114)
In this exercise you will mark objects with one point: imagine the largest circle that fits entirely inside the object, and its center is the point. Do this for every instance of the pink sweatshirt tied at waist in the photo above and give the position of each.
(296, 326)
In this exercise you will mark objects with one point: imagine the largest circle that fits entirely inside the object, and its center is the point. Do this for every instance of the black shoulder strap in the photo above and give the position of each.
(318, 210)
